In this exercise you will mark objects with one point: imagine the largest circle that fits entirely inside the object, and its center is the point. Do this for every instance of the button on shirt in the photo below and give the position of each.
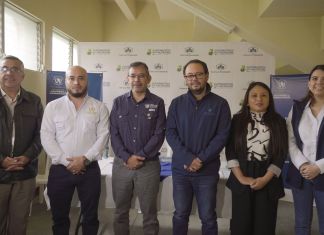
(308, 130)
(67, 132)
(137, 128)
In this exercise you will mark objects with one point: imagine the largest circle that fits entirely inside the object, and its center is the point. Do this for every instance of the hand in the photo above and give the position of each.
(76, 165)
(309, 171)
(134, 162)
(14, 164)
(195, 165)
(245, 180)
(258, 183)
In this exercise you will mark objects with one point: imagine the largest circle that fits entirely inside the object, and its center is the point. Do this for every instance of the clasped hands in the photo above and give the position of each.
(195, 165)
(254, 183)
(76, 165)
(134, 162)
(309, 170)
(15, 163)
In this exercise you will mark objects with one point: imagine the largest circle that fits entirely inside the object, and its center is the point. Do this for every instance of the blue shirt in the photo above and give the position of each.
(137, 128)
(198, 129)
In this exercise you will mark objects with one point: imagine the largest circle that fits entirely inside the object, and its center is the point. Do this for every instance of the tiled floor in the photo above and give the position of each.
(40, 222)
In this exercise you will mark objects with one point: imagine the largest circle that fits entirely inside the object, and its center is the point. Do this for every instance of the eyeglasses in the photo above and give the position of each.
(5, 69)
(139, 76)
(191, 77)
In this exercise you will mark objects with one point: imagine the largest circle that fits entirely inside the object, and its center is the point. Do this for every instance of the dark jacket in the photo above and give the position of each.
(294, 178)
(198, 128)
(255, 168)
(27, 118)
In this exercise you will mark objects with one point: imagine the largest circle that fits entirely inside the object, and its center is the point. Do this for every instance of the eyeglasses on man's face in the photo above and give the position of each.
(138, 76)
(192, 76)
(5, 69)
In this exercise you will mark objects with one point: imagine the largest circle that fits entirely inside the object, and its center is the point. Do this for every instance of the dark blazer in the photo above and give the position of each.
(275, 186)
(294, 178)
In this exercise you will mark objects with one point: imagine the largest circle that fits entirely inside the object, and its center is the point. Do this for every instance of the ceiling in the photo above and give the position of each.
(210, 14)
(168, 10)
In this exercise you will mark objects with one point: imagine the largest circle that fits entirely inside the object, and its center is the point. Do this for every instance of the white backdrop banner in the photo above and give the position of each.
(232, 66)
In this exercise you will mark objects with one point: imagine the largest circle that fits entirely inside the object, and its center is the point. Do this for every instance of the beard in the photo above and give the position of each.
(78, 94)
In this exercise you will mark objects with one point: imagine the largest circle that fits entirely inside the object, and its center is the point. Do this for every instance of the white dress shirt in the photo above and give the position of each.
(308, 130)
(67, 132)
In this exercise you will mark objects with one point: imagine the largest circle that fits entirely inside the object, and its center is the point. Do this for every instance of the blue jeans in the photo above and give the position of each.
(204, 188)
(303, 203)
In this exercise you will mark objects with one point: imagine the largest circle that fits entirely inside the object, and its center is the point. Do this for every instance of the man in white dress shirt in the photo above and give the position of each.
(74, 133)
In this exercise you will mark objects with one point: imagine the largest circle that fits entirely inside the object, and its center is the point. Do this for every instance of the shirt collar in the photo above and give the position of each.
(4, 94)
(147, 94)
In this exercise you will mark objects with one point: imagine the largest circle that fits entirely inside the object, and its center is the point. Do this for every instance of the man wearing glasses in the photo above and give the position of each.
(137, 128)
(20, 121)
(198, 125)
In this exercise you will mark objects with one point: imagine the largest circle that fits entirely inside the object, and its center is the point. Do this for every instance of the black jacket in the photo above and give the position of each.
(275, 186)
(27, 118)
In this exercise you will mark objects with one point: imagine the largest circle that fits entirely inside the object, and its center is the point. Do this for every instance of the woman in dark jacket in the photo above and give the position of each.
(255, 153)
(306, 148)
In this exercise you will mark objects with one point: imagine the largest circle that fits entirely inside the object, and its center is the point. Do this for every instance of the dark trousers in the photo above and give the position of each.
(253, 213)
(204, 188)
(61, 186)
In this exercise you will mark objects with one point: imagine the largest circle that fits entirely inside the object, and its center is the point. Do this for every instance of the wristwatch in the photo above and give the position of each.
(86, 162)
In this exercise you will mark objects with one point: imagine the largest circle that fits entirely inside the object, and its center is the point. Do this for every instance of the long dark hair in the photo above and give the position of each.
(278, 133)
(309, 95)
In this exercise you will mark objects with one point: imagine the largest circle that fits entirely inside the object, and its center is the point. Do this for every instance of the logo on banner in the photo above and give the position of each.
(124, 85)
(101, 51)
(128, 51)
(220, 68)
(179, 68)
(280, 84)
(99, 67)
(160, 85)
(253, 51)
(58, 80)
(253, 68)
(158, 51)
(189, 51)
(218, 85)
(122, 68)
(158, 67)
(220, 51)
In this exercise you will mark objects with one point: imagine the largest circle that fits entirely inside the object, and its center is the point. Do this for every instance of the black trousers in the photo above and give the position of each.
(253, 214)
(60, 188)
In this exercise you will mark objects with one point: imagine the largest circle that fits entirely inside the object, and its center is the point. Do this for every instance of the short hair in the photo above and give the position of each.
(196, 61)
(139, 64)
(11, 57)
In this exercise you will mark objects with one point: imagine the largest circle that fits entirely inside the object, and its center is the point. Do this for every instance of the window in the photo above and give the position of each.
(64, 51)
(22, 36)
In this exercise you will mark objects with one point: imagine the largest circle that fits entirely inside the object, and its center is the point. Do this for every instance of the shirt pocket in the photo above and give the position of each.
(148, 120)
(62, 128)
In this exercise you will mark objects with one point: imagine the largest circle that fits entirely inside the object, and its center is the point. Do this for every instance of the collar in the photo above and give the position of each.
(208, 90)
(4, 94)
(130, 95)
